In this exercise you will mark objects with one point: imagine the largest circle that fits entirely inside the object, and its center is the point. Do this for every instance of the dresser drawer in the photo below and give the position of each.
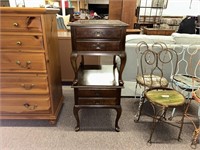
(100, 33)
(98, 93)
(23, 84)
(22, 42)
(97, 101)
(23, 62)
(21, 23)
(25, 104)
(98, 46)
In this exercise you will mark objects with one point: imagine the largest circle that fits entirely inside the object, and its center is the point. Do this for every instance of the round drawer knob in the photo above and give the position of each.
(15, 24)
(19, 43)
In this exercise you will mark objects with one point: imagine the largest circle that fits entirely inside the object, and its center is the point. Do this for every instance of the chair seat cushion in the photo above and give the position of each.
(186, 81)
(196, 95)
(155, 82)
(167, 97)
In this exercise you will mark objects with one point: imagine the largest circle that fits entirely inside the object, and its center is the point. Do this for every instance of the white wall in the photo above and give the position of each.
(182, 8)
(175, 8)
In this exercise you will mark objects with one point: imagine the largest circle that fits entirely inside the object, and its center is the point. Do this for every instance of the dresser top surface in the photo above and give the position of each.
(98, 23)
(28, 10)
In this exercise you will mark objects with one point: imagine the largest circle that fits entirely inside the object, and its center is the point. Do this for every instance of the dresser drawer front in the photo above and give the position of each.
(22, 84)
(97, 101)
(98, 93)
(98, 46)
(23, 104)
(21, 23)
(98, 33)
(22, 42)
(23, 62)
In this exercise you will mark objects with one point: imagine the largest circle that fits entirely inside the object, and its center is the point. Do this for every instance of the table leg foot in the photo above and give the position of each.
(76, 109)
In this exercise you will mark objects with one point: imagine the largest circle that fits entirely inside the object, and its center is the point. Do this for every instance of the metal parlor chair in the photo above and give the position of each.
(153, 64)
(143, 77)
(196, 133)
(186, 79)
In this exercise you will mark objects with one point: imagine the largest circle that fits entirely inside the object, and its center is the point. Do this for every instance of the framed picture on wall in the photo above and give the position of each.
(159, 3)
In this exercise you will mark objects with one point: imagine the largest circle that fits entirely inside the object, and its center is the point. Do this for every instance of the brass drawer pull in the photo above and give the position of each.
(15, 24)
(98, 33)
(27, 64)
(27, 86)
(19, 43)
(30, 107)
(97, 46)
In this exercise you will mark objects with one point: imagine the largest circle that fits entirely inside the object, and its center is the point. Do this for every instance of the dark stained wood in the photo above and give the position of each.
(65, 49)
(115, 45)
(98, 86)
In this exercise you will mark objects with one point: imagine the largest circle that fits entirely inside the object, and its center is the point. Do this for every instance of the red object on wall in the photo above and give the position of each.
(66, 4)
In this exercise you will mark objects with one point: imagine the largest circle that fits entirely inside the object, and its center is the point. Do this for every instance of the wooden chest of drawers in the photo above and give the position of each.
(30, 67)
(98, 86)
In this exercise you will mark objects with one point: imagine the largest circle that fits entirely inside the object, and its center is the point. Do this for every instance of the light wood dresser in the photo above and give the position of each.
(30, 73)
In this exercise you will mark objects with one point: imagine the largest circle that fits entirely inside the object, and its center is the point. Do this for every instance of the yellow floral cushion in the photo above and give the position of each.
(152, 81)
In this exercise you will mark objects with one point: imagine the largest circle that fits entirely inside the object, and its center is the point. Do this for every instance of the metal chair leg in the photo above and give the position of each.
(157, 118)
(138, 114)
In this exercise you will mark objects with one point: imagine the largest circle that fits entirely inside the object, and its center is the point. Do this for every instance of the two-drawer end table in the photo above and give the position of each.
(98, 86)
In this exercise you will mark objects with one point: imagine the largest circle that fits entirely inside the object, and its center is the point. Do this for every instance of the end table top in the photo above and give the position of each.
(98, 22)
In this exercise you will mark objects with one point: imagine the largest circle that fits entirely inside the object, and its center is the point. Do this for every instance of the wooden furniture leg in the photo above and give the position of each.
(76, 110)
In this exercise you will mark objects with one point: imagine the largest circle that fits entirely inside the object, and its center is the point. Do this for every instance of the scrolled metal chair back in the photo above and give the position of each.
(157, 61)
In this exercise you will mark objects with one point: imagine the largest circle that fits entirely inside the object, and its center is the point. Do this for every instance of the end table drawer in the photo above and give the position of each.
(99, 33)
(97, 101)
(98, 45)
(98, 93)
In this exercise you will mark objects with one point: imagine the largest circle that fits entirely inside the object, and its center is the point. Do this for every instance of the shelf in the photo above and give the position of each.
(98, 76)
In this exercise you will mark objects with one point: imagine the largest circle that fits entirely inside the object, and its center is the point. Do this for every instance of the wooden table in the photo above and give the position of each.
(133, 31)
(97, 86)
(157, 31)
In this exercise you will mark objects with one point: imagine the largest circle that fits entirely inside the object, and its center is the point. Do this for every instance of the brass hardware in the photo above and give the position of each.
(15, 24)
(27, 86)
(28, 62)
(18, 62)
(97, 46)
(19, 43)
(98, 34)
(28, 106)
(27, 65)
